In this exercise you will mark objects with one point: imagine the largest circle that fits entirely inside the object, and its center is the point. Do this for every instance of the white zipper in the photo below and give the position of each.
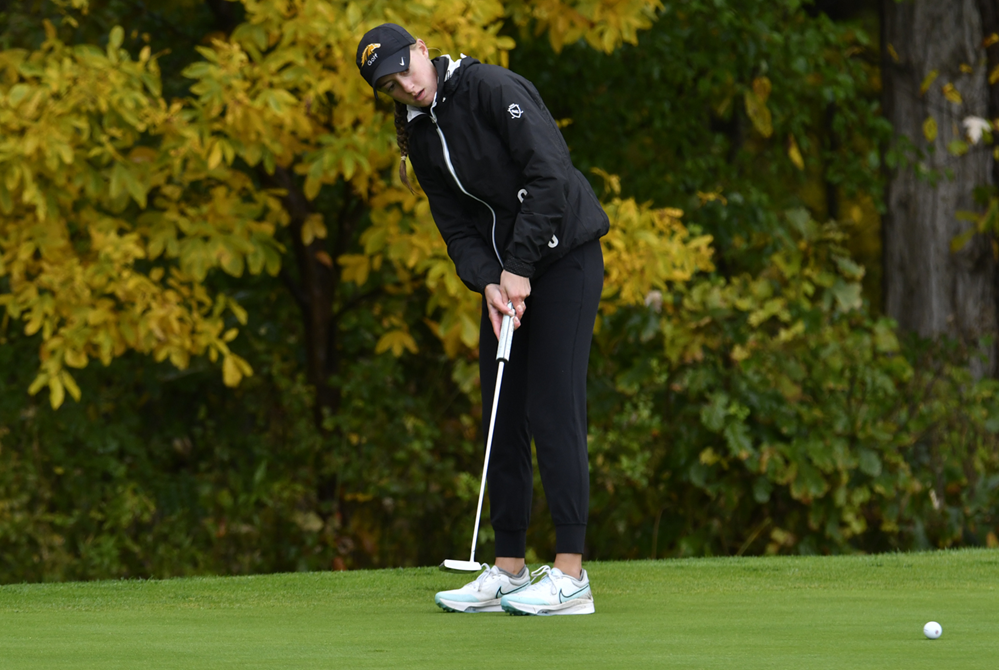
(450, 167)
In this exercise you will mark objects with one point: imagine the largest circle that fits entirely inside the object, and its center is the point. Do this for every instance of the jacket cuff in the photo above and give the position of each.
(519, 267)
(480, 282)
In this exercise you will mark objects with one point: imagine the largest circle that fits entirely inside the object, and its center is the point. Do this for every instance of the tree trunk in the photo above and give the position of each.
(927, 288)
(315, 291)
(989, 10)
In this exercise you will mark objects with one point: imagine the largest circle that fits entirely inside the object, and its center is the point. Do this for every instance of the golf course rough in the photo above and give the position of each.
(853, 612)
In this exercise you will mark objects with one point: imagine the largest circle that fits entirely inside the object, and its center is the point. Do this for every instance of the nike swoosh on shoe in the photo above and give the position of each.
(565, 598)
(500, 594)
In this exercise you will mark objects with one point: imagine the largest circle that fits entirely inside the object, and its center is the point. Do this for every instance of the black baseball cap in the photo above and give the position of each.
(383, 50)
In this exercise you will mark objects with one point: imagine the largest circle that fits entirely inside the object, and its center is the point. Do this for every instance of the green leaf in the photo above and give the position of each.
(737, 438)
(801, 220)
(958, 147)
(848, 295)
(713, 414)
(17, 93)
(870, 464)
(848, 268)
(958, 242)
(762, 488)
(884, 338)
(116, 38)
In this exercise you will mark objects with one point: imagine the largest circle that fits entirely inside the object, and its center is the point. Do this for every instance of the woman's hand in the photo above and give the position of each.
(511, 289)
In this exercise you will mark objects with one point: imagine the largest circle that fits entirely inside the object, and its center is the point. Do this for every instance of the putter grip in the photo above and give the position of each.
(505, 339)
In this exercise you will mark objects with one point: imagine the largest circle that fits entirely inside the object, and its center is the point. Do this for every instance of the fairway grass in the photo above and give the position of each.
(852, 612)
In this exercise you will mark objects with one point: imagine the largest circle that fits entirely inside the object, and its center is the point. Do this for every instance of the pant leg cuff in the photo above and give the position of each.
(511, 543)
(570, 539)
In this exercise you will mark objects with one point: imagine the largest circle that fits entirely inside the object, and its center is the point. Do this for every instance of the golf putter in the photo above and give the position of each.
(503, 356)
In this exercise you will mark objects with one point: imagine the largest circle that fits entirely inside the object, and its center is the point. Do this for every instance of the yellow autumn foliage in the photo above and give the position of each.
(116, 205)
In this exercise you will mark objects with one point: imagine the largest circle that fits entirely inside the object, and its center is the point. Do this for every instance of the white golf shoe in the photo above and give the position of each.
(555, 593)
(483, 594)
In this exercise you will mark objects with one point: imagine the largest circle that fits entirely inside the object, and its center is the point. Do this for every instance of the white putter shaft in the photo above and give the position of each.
(503, 356)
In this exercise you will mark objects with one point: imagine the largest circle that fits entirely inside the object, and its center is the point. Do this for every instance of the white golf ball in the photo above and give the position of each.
(932, 630)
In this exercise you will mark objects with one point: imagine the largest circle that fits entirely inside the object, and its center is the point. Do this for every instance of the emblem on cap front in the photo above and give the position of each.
(368, 51)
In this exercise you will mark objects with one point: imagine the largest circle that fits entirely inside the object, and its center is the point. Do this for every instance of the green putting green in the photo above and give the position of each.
(810, 612)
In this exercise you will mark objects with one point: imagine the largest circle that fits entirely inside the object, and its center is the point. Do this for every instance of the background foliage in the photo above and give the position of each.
(164, 193)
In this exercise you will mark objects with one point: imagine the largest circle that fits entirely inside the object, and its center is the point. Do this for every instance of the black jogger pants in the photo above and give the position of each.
(543, 396)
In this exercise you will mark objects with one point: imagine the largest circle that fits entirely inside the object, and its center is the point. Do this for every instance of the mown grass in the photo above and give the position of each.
(809, 612)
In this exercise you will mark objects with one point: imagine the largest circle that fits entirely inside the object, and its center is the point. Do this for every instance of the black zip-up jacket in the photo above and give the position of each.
(494, 165)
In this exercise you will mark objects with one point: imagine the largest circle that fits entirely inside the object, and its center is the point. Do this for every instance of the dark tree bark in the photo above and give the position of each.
(315, 286)
(989, 10)
(927, 288)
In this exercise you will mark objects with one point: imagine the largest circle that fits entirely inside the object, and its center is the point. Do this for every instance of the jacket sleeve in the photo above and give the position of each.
(474, 260)
(514, 108)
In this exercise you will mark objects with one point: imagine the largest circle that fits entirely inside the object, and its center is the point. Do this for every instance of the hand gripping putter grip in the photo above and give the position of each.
(503, 356)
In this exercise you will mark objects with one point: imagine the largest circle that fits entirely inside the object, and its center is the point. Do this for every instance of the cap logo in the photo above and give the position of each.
(369, 54)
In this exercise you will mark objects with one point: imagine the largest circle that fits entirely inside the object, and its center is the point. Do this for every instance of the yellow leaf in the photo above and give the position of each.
(70, 385)
(215, 156)
(313, 228)
(244, 367)
(231, 375)
(928, 81)
(714, 196)
(230, 335)
(39, 383)
(794, 152)
(143, 155)
(930, 129)
(758, 113)
(893, 53)
(952, 94)
(762, 88)
(356, 268)
(994, 75)
(397, 341)
(237, 311)
(75, 359)
(612, 182)
(990, 40)
(708, 456)
(966, 69)
(57, 393)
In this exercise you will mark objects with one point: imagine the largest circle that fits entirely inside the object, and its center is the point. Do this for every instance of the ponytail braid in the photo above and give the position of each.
(402, 139)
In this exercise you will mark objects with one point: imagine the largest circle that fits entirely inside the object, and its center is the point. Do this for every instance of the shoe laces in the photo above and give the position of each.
(547, 572)
(487, 574)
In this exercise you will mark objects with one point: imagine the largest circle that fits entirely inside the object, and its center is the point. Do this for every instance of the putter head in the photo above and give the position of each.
(452, 565)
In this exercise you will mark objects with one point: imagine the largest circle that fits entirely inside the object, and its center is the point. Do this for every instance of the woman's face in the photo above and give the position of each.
(416, 86)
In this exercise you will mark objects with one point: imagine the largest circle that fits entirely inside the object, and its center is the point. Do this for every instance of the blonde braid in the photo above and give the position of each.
(402, 139)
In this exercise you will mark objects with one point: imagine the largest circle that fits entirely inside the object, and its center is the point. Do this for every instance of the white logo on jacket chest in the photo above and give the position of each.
(515, 111)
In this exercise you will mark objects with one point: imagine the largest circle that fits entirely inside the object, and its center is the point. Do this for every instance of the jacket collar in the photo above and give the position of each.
(448, 74)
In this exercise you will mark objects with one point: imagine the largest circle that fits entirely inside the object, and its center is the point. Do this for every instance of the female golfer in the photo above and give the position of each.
(522, 226)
